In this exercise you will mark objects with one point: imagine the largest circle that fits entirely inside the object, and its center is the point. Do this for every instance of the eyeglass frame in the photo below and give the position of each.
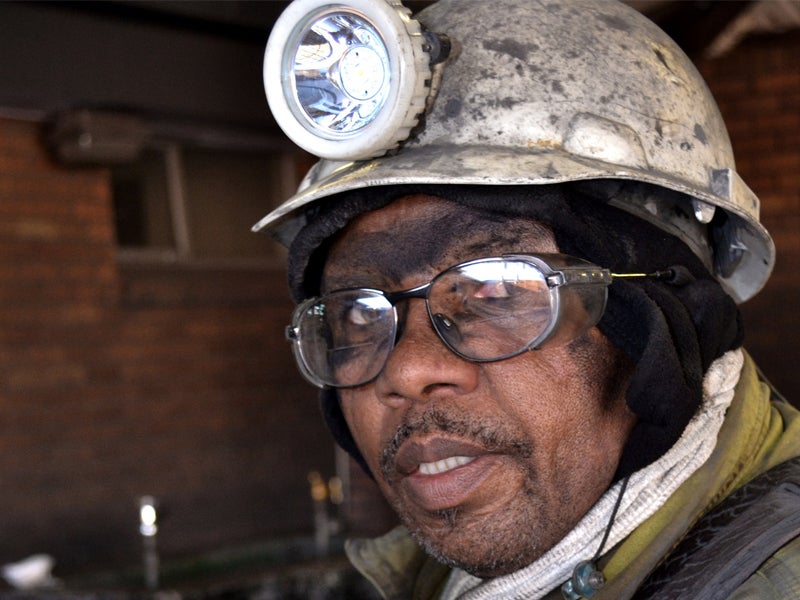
(572, 272)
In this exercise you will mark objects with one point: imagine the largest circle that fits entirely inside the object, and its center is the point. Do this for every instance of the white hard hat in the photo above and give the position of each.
(529, 94)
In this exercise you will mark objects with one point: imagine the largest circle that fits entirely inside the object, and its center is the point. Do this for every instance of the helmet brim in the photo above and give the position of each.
(535, 165)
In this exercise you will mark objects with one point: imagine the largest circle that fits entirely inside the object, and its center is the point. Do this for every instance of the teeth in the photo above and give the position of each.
(444, 465)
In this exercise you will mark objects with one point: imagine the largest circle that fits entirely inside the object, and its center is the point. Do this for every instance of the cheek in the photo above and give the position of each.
(534, 387)
(571, 404)
(366, 419)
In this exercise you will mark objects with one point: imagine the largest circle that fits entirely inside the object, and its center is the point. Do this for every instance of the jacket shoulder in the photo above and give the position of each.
(777, 579)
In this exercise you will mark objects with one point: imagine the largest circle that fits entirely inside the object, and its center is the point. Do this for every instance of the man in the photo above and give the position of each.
(519, 300)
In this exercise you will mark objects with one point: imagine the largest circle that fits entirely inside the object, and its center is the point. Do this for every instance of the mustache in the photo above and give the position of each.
(491, 434)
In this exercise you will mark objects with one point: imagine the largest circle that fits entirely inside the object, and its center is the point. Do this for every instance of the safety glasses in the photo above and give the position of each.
(483, 310)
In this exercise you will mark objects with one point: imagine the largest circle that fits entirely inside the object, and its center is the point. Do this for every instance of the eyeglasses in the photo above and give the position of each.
(483, 310)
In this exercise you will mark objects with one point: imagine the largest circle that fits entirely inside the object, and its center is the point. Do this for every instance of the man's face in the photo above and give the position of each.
(488, 464)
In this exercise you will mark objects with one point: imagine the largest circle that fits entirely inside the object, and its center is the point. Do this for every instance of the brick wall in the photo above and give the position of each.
(118, 381)
(757, 87)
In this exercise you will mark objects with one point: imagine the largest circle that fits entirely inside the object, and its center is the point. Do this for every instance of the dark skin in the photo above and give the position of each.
(489, 465)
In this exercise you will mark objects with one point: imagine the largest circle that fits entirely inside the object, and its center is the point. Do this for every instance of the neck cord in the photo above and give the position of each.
(611, 520)
(587, 578)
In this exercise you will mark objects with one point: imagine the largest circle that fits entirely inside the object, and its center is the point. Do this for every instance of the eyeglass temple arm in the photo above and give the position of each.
(675, 275)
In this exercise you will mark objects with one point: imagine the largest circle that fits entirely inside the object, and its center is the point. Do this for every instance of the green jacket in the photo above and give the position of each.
(757, 435)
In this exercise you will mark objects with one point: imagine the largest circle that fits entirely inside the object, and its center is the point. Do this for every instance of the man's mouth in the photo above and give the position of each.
(440, 472)
(435, 455)
(440, 462)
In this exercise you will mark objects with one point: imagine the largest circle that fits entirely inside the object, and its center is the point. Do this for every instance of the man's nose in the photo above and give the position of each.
(420, 367)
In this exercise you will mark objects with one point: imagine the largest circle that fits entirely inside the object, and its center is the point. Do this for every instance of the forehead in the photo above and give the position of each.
(422, 235)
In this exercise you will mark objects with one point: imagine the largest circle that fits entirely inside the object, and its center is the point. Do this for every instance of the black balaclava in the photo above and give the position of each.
(670, 330)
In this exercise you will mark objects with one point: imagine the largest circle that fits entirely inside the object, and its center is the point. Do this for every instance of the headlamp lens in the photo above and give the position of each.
(339, 73)
(483, 310)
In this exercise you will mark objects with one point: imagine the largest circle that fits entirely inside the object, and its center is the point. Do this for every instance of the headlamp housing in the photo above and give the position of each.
(348, 80)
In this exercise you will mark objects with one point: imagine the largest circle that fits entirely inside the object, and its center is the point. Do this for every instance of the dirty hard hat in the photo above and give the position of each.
(512, 92)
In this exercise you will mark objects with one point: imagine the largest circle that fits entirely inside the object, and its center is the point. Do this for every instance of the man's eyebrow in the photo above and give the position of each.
(393, 260)
(387, 263)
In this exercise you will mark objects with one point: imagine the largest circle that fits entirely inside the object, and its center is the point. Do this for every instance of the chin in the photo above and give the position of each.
(469, 547)
(484, 565)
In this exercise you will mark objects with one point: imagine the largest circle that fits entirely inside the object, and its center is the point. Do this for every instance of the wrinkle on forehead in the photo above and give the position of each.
(422, 233)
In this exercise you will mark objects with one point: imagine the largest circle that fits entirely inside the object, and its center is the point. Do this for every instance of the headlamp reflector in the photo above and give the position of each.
(347, 80)
(339, 74)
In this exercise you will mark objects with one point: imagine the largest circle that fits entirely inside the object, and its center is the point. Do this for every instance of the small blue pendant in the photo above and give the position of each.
(585, 581)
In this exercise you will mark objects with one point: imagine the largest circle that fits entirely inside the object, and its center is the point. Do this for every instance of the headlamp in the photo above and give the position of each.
(348, 80)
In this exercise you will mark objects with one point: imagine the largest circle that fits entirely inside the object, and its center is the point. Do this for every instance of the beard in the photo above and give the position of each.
(484, 543)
